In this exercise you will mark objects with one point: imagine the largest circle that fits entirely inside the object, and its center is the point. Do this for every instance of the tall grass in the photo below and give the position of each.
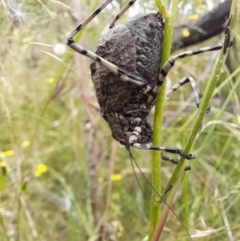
(58, 158)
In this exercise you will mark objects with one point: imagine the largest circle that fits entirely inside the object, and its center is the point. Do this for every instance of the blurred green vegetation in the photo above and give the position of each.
(57, 180)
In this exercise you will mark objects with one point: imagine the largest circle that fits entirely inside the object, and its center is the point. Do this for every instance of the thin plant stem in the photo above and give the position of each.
(156, 166)
(162, 10)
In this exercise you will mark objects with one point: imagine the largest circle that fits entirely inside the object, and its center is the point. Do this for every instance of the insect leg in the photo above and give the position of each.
(182, 82)
(88, 19)
(172, 150)
(170, 63)
(121, 12)
(133, 142)
(173, 160)
(134, 136)
(122, 74)
(169, 159)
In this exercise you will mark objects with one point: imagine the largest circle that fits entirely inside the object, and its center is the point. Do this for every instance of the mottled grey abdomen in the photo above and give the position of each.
(134, 46)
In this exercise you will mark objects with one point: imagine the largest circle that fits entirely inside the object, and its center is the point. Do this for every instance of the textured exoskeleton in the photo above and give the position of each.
(134, 46)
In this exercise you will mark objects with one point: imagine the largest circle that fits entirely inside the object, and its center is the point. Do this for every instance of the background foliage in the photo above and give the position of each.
(57, 154)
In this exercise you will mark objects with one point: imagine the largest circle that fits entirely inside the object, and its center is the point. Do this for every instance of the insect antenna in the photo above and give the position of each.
(140, 186)
(156, 192)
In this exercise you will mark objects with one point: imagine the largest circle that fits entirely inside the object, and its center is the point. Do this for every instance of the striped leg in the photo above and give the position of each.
(133, 142)
(89, 19)
(172, 150)
(170, 63)
(182, 82)
(122, 74)
(122, 11)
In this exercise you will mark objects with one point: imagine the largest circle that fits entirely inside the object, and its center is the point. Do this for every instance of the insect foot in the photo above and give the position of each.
(208, 109)
(187, 168)
(187, 156)
(174, 161)
(180, 153)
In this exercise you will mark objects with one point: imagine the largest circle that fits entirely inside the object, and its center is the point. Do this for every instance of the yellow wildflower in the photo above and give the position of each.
(116, 177)
(41, 168)
(2, 164)
(7, 153)
(50, 80)
(25, 143)
(37, 173)
(185, 32)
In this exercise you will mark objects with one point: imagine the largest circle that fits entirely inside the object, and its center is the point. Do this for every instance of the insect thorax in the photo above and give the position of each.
(134, 46)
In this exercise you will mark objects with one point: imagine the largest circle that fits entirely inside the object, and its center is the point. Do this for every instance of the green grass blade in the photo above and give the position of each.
(157, 125)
